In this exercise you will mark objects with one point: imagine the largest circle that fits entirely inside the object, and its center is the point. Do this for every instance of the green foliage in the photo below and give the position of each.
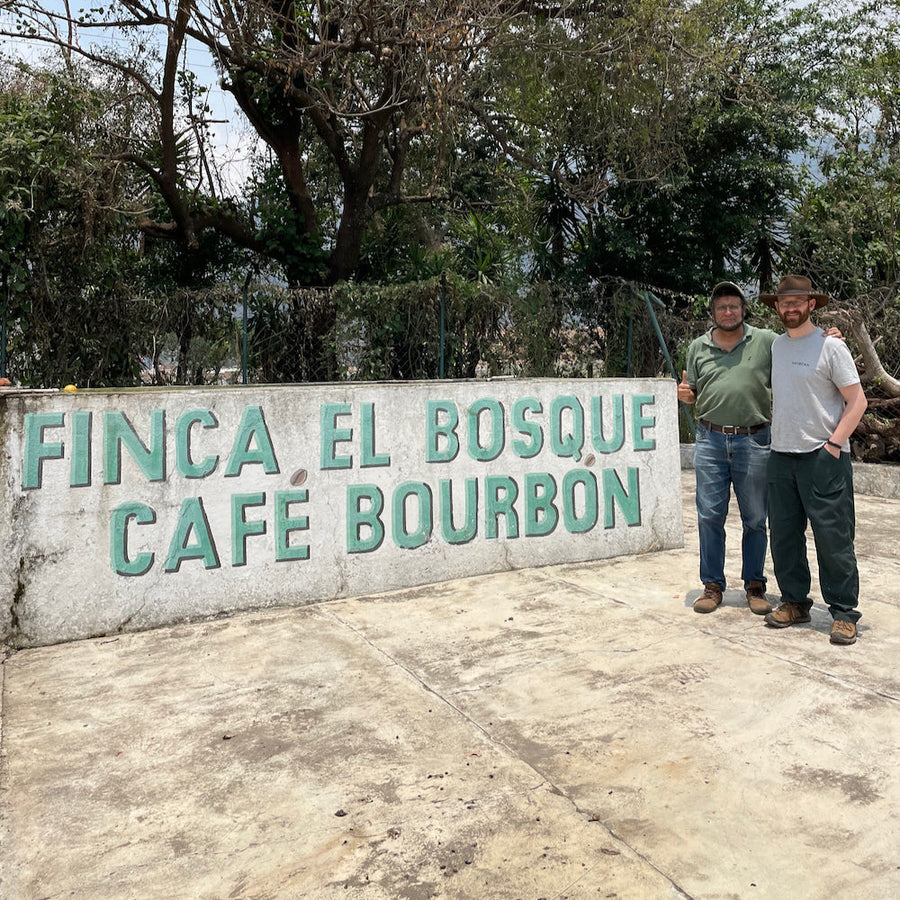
(297, 255)
(393, 332)
(700, 222)
(547, 336)
(292, 334)
(401, 245)
(542, 161)
(62, 242)
(845, 230)
(87, 301)
(718, 209)
(185, 300)
(32, 165)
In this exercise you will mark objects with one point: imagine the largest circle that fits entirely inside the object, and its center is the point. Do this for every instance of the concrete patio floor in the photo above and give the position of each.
(570, 732)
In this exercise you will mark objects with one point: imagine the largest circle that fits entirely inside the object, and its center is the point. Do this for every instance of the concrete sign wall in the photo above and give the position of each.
(126, 510)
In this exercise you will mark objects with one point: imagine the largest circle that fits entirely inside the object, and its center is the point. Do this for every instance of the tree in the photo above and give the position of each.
(87, 300)
(355, 91)
(844, 230)
(64, 247)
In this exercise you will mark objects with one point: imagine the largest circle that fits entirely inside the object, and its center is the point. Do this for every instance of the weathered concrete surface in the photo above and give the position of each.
(569, 732)
(127, 510)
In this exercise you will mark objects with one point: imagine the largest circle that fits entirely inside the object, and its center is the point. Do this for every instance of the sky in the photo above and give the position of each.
(233, 140)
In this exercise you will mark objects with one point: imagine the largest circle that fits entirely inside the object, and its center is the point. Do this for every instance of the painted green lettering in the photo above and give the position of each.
(367, 455)
(359, 519)
(285, 524)
(500, 495)
(494, 446)
(118, 432)
(252, 429)
(37, 449)
(574, 522)
(566, 442)
(615, 442)
(185, 466)
(469, 528)
(629, 503)
(118, 539)
(531, 447)
(80, 469)
(332, 435)
(403, 537)
(241, 528)
(541, 516)
(436, 432)
(639, 421)
(192, 519)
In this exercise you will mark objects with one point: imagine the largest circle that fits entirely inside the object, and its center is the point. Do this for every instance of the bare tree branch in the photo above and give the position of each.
(873, 372)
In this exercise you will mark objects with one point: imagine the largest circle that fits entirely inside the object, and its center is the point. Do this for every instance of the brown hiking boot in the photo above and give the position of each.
(843, 632)
(787, 614)
(710, 600)
(756, 598)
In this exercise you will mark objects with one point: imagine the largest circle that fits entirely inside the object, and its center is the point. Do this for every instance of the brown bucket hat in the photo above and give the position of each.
(794, 284)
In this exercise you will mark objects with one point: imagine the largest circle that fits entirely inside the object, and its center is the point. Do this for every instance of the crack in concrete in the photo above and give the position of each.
(753, 648)
(15, 624)
(331, 614)
(590, 869)
(120, 628)
(6, 886)
(546, 781)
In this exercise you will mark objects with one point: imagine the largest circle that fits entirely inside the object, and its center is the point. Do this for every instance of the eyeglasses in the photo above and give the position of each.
(792, 304)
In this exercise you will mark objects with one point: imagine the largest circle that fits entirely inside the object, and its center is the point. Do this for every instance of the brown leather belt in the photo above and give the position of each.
(733, 429)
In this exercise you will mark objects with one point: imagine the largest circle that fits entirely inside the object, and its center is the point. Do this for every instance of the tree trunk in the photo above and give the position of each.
(877, 437)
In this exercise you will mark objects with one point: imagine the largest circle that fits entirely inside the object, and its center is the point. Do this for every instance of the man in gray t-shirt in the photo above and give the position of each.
(810, 372)
(817, 402)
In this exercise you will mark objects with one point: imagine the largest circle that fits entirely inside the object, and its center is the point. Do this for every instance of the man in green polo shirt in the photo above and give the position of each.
(728, 380)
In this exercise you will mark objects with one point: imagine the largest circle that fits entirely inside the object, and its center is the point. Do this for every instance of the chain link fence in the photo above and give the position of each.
(441, 327)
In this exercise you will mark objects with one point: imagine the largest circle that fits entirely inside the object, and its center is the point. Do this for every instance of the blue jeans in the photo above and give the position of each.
(720, 462)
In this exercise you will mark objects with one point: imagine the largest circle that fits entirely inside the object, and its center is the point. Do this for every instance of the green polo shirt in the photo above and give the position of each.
(733, 387)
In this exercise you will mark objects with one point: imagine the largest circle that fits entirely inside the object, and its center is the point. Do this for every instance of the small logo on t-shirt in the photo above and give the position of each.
(798, 362)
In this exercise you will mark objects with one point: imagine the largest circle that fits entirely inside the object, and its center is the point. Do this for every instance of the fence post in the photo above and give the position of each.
(650, 299)
(443, 313)
(3, 326)
(244, 331)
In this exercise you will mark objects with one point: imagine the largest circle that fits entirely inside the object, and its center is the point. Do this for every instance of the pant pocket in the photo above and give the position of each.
(829, 475)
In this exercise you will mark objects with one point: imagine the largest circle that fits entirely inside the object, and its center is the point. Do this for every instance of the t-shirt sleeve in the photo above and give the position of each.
(843, 369)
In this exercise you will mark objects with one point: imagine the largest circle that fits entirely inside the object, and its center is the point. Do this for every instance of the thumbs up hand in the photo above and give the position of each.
(685, 394)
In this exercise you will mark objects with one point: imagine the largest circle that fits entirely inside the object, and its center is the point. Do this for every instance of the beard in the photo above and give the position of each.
(732, 327)
(794, 318)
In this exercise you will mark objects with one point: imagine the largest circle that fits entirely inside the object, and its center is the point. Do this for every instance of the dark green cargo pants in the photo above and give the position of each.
(818, 489)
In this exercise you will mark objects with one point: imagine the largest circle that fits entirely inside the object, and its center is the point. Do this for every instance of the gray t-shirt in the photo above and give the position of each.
(807, 375)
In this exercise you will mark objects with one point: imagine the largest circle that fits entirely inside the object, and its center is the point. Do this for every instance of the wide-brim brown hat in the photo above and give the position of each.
(794, 284)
